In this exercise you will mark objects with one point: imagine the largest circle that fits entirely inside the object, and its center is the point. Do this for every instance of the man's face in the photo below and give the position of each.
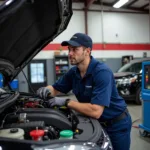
(77, 54)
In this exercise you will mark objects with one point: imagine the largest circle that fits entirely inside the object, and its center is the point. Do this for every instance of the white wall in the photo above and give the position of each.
(117, 28)
(130, 28)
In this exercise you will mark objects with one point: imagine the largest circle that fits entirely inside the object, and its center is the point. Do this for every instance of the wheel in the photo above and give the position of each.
(138, 99)
(143, 133)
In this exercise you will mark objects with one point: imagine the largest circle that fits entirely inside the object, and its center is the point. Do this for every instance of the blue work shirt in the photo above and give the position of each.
(96, 87)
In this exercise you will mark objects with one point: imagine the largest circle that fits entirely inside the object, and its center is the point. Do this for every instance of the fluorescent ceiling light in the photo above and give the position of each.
(120, 3)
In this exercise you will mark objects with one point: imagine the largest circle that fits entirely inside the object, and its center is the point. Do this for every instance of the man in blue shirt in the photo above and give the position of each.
(94, 86)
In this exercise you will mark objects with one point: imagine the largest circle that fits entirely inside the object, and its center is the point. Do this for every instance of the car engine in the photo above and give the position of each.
(30, 113)
(27, 117)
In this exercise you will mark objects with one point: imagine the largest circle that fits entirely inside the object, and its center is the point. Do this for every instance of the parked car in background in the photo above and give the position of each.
(128, 80)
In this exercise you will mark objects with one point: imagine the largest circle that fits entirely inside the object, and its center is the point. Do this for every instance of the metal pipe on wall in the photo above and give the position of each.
(102, 23)
(112, 11)
(85, 9)
(86, 22)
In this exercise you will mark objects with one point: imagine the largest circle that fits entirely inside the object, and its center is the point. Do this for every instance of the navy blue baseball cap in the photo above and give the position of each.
(79, 39)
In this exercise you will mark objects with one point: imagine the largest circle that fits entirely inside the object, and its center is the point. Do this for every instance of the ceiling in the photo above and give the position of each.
(141, 6)
(133, 5)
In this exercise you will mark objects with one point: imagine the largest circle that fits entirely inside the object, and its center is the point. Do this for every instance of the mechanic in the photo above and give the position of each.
(94, 86)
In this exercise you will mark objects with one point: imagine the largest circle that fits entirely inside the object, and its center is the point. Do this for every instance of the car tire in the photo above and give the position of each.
(138, 99)
(143, 133)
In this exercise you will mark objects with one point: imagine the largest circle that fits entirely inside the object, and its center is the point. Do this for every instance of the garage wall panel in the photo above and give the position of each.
(95, 26)
(119, 27)
(126, 28)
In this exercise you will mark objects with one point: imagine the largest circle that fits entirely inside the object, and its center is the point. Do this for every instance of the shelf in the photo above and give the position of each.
(61, 69)
(61, 64)
(57, 74)
(61, 56)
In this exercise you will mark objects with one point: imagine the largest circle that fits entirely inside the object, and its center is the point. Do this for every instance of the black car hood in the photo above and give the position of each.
(26, 27)
(123, 74)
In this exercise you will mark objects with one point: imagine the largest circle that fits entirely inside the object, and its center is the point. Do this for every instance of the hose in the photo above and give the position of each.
(135, 126)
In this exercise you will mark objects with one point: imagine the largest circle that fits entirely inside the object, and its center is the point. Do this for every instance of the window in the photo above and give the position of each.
(136, 67)
(37, 72)
(131, 68)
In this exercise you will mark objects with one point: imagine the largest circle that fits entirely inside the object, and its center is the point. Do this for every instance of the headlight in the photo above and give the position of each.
(126, 81)
(123, 81)
(106, 145)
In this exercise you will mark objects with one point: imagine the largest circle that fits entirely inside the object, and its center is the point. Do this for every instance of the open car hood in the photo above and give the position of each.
(26, 27)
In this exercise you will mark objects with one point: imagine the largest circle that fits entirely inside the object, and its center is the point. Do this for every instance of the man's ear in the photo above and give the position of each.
(89, 50)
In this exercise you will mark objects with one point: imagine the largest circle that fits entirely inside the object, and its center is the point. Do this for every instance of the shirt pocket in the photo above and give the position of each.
(88, 91)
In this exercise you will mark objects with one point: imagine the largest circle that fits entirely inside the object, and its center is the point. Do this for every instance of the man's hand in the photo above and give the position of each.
(43, 92)
(57, 101)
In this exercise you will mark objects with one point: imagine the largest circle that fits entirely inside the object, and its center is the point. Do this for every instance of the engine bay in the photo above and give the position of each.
(23, 114)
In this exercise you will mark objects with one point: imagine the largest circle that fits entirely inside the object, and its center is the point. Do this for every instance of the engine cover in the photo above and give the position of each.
(49, 116)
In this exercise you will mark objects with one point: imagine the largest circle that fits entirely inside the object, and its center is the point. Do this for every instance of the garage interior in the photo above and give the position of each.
(119, 35)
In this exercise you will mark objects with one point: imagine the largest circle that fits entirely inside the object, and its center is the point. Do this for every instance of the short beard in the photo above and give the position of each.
(79, 61)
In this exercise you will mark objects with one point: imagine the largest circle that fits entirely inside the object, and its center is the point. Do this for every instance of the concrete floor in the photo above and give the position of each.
(137, 142)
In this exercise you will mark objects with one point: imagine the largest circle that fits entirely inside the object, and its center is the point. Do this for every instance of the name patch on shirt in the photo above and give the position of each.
(88, 86)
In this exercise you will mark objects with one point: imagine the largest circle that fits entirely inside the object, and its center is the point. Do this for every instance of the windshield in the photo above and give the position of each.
(136, 67)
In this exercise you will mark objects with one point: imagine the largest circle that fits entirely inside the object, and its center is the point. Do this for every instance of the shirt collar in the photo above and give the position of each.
(92, 65)
(77, 73)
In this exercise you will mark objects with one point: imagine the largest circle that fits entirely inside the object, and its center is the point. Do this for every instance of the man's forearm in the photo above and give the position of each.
(87, 109)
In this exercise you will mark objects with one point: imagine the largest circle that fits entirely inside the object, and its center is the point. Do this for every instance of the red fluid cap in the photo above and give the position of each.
(36, 134)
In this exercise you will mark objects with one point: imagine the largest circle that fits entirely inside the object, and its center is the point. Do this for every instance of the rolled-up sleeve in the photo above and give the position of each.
(102, 88)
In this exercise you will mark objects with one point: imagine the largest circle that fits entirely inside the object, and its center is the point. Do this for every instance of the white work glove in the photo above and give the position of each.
(43, 92)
